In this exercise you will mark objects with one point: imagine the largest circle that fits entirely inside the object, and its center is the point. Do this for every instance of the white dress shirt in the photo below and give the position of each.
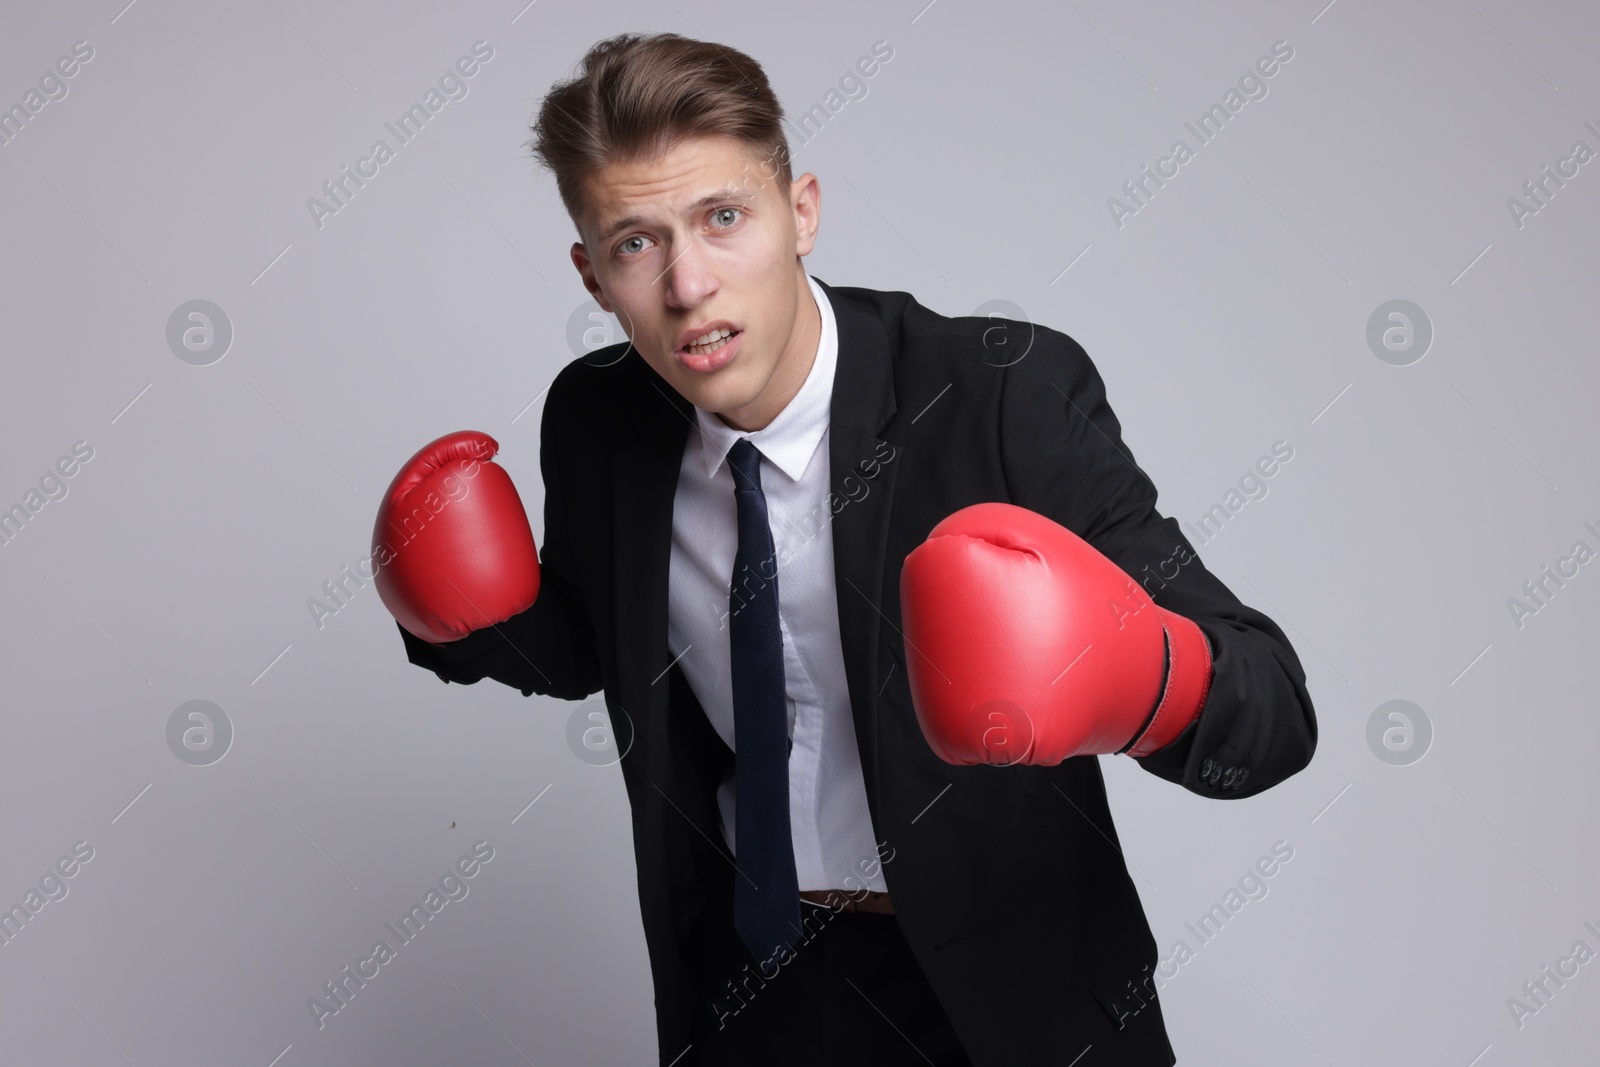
(834, 846)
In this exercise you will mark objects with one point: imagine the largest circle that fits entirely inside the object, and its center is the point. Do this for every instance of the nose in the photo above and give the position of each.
(688, 280)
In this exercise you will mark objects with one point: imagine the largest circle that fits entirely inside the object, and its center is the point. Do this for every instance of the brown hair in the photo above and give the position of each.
(638, 95)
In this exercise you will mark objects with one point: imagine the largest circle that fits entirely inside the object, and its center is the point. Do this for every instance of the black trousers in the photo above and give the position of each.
(851, 994)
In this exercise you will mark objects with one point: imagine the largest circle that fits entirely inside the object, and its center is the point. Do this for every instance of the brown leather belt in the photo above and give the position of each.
(850, 900)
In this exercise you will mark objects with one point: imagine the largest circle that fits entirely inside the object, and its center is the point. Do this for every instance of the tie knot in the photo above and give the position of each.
(744, 460)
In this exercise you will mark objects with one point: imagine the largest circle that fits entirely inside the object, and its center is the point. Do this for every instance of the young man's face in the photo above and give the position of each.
(699, 239)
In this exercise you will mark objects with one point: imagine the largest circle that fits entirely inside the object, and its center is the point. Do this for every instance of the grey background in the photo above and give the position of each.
(1228, 314)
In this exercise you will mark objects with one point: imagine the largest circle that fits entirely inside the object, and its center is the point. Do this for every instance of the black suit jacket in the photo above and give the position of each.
(1008, 882)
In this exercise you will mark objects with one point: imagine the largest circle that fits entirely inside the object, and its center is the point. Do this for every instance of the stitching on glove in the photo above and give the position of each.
(1161, 701)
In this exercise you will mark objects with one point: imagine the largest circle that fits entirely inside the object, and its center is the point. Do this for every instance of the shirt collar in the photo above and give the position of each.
(789, 440)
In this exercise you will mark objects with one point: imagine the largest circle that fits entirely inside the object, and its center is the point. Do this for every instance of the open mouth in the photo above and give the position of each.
(711, 355)
(722, 338)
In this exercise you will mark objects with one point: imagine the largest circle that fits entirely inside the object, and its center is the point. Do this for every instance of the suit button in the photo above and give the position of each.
(1215, 774)
(868, 469)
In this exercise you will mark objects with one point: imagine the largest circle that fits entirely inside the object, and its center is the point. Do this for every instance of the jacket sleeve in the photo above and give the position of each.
(549, 648)
(1063, 456)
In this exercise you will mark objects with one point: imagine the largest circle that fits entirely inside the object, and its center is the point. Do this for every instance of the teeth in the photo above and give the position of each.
(710, 338)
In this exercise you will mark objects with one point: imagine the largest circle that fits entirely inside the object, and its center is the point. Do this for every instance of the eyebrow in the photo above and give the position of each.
(693, 209)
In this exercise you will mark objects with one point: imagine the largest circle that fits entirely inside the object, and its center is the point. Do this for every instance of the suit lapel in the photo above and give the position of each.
(644, 481)
(863, 402)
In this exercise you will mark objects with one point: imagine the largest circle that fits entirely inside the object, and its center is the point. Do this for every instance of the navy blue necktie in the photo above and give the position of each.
(766, 900)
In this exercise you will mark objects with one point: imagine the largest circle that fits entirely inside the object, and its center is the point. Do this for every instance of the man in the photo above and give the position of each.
(867, 589)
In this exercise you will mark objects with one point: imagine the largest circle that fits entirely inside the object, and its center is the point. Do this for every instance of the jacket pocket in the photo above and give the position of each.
(1123, 981)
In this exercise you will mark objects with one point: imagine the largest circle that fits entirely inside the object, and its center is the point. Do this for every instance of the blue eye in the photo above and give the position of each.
(720, 210)
(623, 247)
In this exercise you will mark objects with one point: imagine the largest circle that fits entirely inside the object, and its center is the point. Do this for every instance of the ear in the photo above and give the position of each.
(805, 200)
(580, 260)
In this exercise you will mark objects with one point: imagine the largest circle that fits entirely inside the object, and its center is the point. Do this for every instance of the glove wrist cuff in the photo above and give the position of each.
(1188, 681)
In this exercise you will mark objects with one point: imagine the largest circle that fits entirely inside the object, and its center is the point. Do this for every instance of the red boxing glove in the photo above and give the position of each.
(462, 555)
(1026, 645)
